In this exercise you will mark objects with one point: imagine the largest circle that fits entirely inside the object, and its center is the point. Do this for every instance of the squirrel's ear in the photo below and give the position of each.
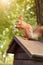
(20, 17)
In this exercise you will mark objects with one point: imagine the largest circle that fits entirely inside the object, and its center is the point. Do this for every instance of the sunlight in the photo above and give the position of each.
(5, 2)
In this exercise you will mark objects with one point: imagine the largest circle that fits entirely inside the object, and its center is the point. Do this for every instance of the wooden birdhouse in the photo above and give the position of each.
(26, 52)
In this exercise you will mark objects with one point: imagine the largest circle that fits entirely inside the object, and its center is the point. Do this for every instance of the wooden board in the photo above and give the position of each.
(27, 62)
(33, 48)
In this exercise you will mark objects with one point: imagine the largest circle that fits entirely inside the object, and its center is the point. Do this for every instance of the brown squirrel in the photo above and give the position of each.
(28, 30)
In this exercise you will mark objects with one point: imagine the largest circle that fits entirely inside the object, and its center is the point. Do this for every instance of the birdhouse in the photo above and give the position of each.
(26, 52)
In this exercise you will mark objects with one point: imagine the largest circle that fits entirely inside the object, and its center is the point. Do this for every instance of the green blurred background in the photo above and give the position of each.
(9, 12)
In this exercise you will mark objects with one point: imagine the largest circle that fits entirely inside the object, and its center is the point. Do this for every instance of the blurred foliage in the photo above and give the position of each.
(9, 12)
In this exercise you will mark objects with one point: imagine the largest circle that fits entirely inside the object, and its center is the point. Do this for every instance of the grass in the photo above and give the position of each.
(6, 64)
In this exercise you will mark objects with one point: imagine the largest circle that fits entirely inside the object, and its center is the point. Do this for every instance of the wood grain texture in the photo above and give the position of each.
(21, 56)
(35, 48)
(27, 62)
(39, 11)
(18, 49)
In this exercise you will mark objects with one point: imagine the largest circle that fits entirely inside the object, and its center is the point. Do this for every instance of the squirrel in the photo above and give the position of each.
(28, 30)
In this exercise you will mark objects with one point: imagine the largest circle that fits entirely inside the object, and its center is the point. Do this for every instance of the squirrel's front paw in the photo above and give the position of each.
(25, 38)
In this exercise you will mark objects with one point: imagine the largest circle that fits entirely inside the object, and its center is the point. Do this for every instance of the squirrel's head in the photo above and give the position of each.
(19, 22)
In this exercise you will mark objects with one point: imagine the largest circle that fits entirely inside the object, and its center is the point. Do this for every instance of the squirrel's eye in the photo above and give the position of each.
(19, 22)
